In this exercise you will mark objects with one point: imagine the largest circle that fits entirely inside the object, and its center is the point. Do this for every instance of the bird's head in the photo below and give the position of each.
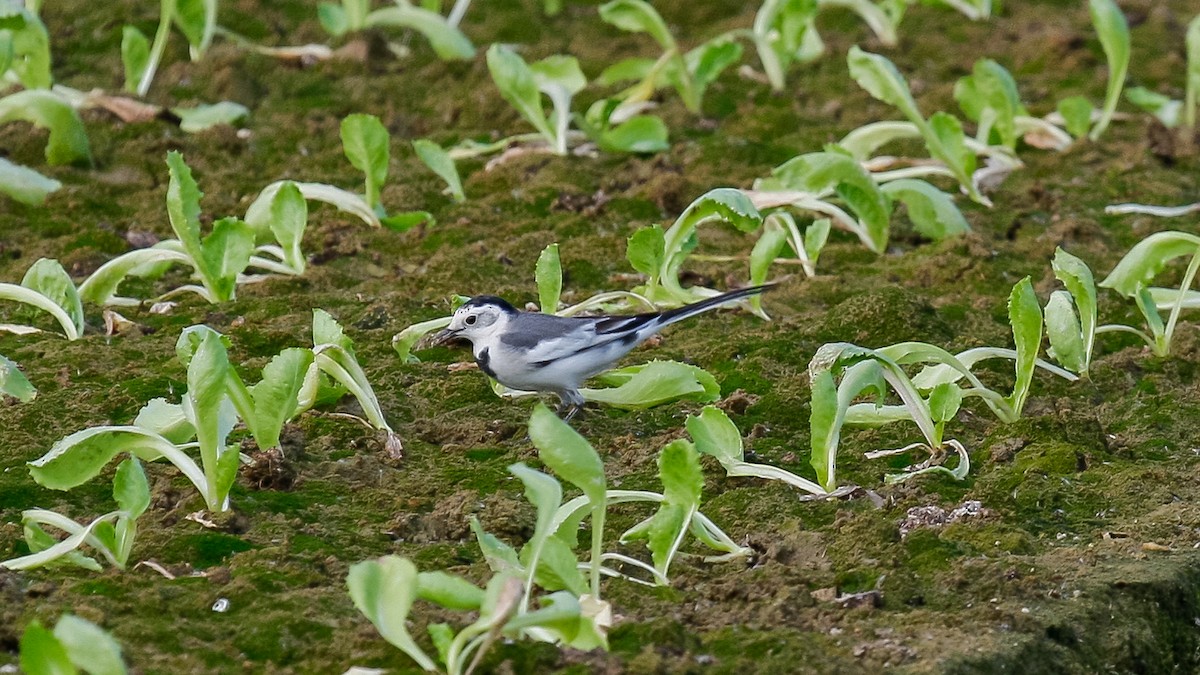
(479, 318)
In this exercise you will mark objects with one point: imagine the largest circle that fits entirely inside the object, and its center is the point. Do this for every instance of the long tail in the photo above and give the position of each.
(680, 313)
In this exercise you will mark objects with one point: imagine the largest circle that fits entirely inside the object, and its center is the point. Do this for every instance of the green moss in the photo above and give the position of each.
(205, 549)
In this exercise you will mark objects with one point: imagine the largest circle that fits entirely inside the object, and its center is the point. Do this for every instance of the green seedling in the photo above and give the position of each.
(1132, 278)
(989, 97)
(67, 142)
(111, 535)
(75, 645)
(1174, 112)
(1113, 31)
(24, 45)
(196, 19)
(942, 132)
(217, 258)
(46, 286)
(292, 382)
(14, 383)
(783, 33)
(689, 74)
(353, 16)
(367, 145)
(716, 435)
(522, 85)
(439, 161)
(545, 570)
(841, 372)
(1071, 314)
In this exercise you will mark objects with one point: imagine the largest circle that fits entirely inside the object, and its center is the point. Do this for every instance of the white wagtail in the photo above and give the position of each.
(532, 351)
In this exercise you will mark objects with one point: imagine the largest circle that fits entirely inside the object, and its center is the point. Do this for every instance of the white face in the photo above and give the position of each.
(476, 322)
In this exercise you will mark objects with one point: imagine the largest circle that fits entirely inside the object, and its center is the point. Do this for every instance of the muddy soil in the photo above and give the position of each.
(1081, 557)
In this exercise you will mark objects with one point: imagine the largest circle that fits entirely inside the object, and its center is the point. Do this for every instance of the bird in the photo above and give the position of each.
(534, 351)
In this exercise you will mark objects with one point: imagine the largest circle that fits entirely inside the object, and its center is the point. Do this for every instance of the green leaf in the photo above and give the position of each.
(944, 401)
(333, 19)
(1165, 108)
(327, 331)
(1077, 277)
(645, 251)
(716, 435)
(384, 591)
(654, 383)
(197, 21)
(447, 41)
(991, 87)
(861, 372)
(640, 135)
(728, 204)
(768, 247)
(449, 590)
(879, 76)
(183, 206)
(710, 59)
(637, 16)
(89, 647)
(442, 636)
(24, 184)
(1147, 259)
(821, 172)
(43, 654)
(439, 161)
(1025, 315)
(949, 145)
(1066, 335)
(500, 556)
(275, 395)
(225, 253)
(815, 236)
(48, 277)
(204, 117)
(135, 55)
(558, 568)
(203, 403)
(289, 220)
(79, 457)
(1077, 113)
(567, 453)
(407, 220)
(30, 50)
(130, 489)
(1113, 31)
(518, 86)
(68, 142)
(932, 212)
(630, 69)
(14, 383)
(548, 274)
(365, 142)
(166, 420)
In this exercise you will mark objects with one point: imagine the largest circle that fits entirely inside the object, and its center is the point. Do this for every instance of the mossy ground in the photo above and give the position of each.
(1055, 578)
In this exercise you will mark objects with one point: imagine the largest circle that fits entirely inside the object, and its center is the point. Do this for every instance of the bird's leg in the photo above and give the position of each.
(571, 405)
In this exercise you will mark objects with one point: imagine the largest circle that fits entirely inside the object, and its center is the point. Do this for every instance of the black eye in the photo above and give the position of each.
(470, 320)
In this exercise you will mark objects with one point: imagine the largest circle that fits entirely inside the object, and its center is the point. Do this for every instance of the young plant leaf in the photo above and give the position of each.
(439, 161)
(822, 172)
(990, 95)
(24, 184)
(204, 117)
(646, 251)
(130, 489)
(289, 220)
(225, 252)
(29, 46)
(567, 453)
(43, 654)
(48, 278)
(716, 435)
(654, 383)
(447, 41)
(276, 394)
(1113, 31)
(1146, 260)
(68, 141)
(728, 204)
(1065, 333)
(365, 142)
(518, 86)
(1076, 112)
(637, 16)
(449, 590)
(135, 56)
(932, 212)
(1077, 277)
(548, 274)
(1191, 99)
(384, 591)
(1165, 108)
(14, 383)
(642, 134)
(1025, 315)
(89, 647)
